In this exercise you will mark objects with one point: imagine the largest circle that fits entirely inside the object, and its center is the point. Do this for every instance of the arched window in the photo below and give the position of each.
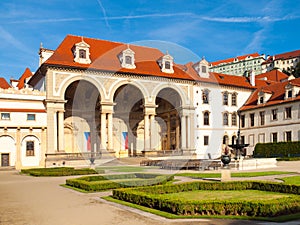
(225, 119)
(225, 98)
(205, 96)
(225, 140)
(234, 99)
(206, 118)
(233, 119)
(233, 140)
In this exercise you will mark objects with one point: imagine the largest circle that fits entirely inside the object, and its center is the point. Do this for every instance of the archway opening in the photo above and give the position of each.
(168, 103)
(128, 121)
(82, 118)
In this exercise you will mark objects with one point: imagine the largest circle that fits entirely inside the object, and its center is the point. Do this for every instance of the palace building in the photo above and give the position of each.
(97, 99)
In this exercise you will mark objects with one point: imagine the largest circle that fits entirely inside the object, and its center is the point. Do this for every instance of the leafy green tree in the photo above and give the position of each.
(296, 70)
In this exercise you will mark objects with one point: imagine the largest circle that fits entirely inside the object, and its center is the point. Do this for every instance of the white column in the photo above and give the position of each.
(146, 132)
(177, 134)
(110, 132)
(103, 130)
(61, 134)
(183, 132)
(188, 133)
(152, 133)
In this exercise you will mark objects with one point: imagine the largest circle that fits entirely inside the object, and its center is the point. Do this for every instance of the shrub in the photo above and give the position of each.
(100, 183)
(154, 197)
(279, 149)
(58, 171)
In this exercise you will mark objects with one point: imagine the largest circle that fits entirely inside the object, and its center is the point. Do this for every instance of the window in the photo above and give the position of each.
(233, 119)
(233, 140)
(274, 114)
(242, 120)
(288, 112)
(30, 116)
(82, 53)
(203, 68)
(262, 118)
(167, 65)
(252, 116)
(30, 148)
(261, 99)
(274, 137)
(206, 140)
(225, 119)
(206, 118)
(205, 96)
(5, 116)
(242, 139)
(128, 59)
(233, 99)
(288, 136)
(225, 140)
(225, 98)
(261, 138)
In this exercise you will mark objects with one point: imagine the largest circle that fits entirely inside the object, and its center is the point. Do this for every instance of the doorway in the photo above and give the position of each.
(4, 159)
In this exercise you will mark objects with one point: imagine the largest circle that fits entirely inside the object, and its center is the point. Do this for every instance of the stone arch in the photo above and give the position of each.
(116, 85)
(67, 82)
(8, 148)
(184, 98)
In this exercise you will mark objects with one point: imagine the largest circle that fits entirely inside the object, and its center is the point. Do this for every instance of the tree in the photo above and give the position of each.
(296, 70)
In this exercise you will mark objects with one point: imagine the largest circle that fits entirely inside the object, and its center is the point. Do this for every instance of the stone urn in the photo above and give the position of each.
(226, 159)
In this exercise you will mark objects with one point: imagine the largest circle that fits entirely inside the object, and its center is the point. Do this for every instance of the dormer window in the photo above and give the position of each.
(166, 63)
(263, 97)
(202, 68)
(126, 58)
(291, 91)
(81, 52)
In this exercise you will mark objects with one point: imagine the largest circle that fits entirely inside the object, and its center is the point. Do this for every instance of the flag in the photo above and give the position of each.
(125, 139)
(87, 139)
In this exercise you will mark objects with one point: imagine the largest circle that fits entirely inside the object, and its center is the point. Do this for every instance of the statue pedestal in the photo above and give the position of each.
(225, 175)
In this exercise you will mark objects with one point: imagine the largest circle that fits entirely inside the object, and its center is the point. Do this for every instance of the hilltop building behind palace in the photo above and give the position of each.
(92, 97)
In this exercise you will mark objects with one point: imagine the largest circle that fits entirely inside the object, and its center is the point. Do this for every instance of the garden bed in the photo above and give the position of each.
(102, 183)
(189, 199)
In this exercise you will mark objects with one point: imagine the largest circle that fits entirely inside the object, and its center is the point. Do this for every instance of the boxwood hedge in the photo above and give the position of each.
(154, 197)
(58, 171)
(101, 183)
(279, 149)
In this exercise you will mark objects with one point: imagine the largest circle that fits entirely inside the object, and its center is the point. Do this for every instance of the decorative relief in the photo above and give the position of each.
(58, 79)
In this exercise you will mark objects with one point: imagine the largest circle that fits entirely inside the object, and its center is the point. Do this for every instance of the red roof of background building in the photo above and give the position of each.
(27, 73)
(273, 75)
(230, 60)
(278, 95)
(3, 83)
(283, 56)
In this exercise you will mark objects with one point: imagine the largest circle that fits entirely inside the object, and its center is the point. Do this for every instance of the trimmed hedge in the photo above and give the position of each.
(58, 171)
(101, 183)
(279, 149)
(153, 197)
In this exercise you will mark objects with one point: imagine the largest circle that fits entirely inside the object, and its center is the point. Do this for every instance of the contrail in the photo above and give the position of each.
(104, 13)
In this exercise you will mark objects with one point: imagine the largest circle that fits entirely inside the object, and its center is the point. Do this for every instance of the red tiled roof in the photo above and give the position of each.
(23, 110)
(104, 56)
(273, 75)
(283, 56)
(27, 73)
(230, 60)
(278, 93)
(3, 83)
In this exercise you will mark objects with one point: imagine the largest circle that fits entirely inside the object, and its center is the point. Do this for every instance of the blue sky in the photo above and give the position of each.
(216, 29)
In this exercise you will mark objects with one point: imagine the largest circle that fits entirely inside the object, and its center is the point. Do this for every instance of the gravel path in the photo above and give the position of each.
(29, 200)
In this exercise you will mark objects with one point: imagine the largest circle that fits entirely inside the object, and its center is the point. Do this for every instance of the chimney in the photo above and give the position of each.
(252, 78)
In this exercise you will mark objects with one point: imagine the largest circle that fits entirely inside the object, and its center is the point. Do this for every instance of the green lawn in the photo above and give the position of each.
(126, 169)
(245, 195)
(291, 180)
